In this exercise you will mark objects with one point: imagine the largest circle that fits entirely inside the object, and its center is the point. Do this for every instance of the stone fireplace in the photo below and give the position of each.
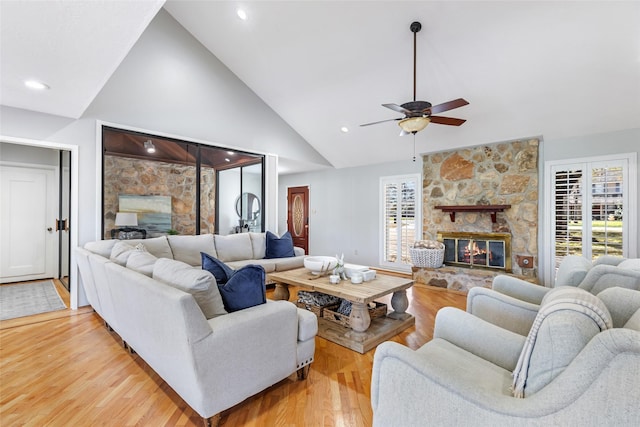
(482, 193)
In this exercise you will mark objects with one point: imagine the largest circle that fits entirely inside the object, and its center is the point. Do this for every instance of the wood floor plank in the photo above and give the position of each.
(68, 369)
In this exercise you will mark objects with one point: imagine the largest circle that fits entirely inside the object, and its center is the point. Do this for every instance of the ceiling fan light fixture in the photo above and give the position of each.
(414, 124)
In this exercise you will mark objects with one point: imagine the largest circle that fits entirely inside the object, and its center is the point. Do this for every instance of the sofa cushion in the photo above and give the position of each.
(221, 271)
(101, 247)
(568, 319)
(142, 262)
(199, 283)
(233, 247)
(121, 251)
(258, 244)
(284, 264)
(279, 247)
(158, 246)
(268, 264)
(246, 288)
(188, 248)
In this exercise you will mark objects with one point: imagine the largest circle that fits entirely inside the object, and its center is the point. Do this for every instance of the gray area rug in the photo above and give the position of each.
(26, 299)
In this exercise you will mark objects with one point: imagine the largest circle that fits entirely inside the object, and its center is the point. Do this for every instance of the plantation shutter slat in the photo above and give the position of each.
(588, 213)
(400, 219)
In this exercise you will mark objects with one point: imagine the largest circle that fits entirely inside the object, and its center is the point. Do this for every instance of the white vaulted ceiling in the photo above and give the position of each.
(550, 69)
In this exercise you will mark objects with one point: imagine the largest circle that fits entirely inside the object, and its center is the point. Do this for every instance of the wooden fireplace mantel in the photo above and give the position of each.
(492, 209)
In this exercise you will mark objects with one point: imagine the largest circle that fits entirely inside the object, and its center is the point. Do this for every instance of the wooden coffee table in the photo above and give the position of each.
(364, 333)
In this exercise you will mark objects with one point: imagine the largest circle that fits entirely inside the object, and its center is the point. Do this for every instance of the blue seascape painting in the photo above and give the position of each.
(154, 212)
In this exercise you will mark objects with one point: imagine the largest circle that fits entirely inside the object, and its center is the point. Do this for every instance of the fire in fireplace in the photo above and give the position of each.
(477, 250)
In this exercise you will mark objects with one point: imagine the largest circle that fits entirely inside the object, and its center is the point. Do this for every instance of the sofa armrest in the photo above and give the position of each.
(608, 260)
(520, 289)
(411, 389)
(490, 342)
(604, 276)
(248, 351)
(298, 251)
(622, 304)
(572, 270)
(502, 310)
(307, 325)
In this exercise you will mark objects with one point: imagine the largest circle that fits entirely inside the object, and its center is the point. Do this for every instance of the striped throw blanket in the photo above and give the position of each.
(558, 299)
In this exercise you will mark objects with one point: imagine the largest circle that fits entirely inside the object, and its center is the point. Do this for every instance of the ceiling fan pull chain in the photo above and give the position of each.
(414, 147)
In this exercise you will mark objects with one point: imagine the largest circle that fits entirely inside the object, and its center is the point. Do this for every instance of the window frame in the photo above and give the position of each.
(417, 218)
(630, 202)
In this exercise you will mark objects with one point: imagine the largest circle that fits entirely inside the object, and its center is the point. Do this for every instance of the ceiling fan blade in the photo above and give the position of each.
(398, 108)
(446, 120)
(456, 103)
(381, 121)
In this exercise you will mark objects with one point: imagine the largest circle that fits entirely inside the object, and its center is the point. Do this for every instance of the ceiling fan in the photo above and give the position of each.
(418, 114)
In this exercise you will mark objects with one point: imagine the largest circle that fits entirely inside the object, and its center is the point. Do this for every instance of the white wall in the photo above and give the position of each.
(228, 190)
(27, 154)
(344, 207)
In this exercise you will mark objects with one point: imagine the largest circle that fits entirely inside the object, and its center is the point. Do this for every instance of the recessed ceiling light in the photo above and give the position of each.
(344, 129)
(35, 84)
(242, 14)
(148, 145)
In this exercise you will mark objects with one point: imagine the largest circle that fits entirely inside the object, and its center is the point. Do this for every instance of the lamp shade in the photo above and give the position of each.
(414, 124)
(124, 219)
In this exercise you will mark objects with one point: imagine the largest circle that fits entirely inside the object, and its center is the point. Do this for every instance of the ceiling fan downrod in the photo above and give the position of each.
(414, 27)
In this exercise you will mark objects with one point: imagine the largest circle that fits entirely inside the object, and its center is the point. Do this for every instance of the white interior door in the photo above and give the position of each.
(27, 218)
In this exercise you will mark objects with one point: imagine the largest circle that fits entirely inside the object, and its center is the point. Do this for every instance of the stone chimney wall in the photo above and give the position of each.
(143, 177)
(496, 174)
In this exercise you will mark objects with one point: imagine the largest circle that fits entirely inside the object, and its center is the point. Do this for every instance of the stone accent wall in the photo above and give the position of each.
(496, 174)
(143, 177)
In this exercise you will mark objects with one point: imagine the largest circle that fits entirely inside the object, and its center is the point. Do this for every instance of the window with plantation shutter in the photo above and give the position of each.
(592, 211)
(400, 219)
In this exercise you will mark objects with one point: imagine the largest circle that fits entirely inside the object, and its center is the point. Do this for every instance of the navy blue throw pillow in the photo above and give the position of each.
(279, 247)
(221, 271)
(245, 289)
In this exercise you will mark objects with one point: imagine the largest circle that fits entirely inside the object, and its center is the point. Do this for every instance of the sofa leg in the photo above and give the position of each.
(212, 421)
(303, 372)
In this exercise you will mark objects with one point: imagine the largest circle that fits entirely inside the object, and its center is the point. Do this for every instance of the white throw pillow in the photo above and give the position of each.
(142, 262)
(199, 283)
(120, 252)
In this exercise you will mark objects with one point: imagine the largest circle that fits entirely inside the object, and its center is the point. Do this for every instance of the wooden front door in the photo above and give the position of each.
(298, 216)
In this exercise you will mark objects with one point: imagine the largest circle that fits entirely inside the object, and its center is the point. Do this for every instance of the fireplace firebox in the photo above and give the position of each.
(477, 250)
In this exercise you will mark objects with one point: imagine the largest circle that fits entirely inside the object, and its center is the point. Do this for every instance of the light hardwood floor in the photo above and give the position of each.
(65, 368)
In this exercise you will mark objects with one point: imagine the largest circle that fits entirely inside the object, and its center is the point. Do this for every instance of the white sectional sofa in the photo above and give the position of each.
(236, 250)
(214, 360)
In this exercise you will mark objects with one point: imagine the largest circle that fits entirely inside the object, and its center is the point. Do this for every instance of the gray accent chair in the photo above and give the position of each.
(512, 303)
(579, 374)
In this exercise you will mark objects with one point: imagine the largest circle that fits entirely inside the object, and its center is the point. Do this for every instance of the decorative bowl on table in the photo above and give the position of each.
(320, 264)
